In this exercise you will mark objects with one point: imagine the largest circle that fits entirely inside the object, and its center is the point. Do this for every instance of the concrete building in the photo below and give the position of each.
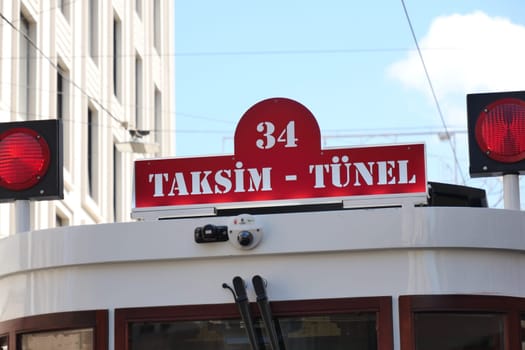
(105, 68)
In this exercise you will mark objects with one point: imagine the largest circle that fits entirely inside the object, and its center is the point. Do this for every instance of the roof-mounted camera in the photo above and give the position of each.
(244, 232)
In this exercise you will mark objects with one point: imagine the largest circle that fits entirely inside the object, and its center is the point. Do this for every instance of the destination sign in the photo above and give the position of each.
(278, 156)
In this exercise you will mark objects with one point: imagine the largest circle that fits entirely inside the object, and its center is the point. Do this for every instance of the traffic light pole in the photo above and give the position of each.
(511, 191)
(22, 215)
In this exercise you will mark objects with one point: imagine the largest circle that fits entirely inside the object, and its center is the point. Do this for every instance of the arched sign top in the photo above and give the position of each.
(277, 126)
(278, 157)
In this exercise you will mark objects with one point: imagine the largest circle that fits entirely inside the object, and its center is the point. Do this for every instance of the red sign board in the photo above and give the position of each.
(278, 156)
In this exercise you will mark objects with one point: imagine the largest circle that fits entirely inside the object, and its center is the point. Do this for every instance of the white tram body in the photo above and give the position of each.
(356, 253)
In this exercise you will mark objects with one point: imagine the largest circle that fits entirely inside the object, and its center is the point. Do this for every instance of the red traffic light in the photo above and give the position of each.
(24, 158)
(500, 130)
(31, 160)
(496, 133)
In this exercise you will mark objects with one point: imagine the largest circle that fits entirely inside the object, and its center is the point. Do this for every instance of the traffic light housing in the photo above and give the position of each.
(496, 133)
(31, 163)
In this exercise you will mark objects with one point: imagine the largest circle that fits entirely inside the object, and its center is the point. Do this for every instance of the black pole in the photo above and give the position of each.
(259, 284)
(241, 299)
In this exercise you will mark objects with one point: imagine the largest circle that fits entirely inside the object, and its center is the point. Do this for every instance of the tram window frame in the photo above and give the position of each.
(4, 341)
(512, 309)
(381, 306)
(97, 320)
(522, 329)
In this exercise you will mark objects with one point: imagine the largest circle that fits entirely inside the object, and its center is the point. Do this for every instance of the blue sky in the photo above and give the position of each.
(353, 64)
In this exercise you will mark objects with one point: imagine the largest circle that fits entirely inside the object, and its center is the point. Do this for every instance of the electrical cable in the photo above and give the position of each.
(65, 4)
(329, 51)
(123, 124)
(431, 86)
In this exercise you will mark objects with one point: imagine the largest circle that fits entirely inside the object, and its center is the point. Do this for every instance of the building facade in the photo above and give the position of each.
(106, 68)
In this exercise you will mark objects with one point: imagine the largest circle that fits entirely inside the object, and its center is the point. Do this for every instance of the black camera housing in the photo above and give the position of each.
(211, 233)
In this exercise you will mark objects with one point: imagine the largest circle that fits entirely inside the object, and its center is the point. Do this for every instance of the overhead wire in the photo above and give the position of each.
(194, 116)
(329, 51)
(63, 74)
(108, 126)
(49, 9)
(266, 52)
(336, 51)
(434, 95)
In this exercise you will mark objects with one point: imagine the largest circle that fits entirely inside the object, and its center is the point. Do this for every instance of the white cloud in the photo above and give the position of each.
(465, 54)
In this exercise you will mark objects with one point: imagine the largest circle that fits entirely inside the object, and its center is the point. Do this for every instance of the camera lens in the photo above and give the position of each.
(198, 235)
(209, 230)
(245, 238)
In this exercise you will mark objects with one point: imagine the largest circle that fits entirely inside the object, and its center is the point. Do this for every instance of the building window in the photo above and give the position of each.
(138, 91)
(60, 218)
(157, 129)
(117, 184)
(117, 52)
(64, 6)
(60, 93)
(138, 7)
(92, 155)
(461, 322)
(62, 109)
(157, 25)
(93, 29)
(356, 323)
(27, 76)
(59, 221)
(83, 330)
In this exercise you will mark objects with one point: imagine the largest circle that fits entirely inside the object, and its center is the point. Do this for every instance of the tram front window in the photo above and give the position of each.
(341, 331)
(459, 331)
(3, 343)
(77, 339)
(350, 331)
(188, 335)
(523, 331)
